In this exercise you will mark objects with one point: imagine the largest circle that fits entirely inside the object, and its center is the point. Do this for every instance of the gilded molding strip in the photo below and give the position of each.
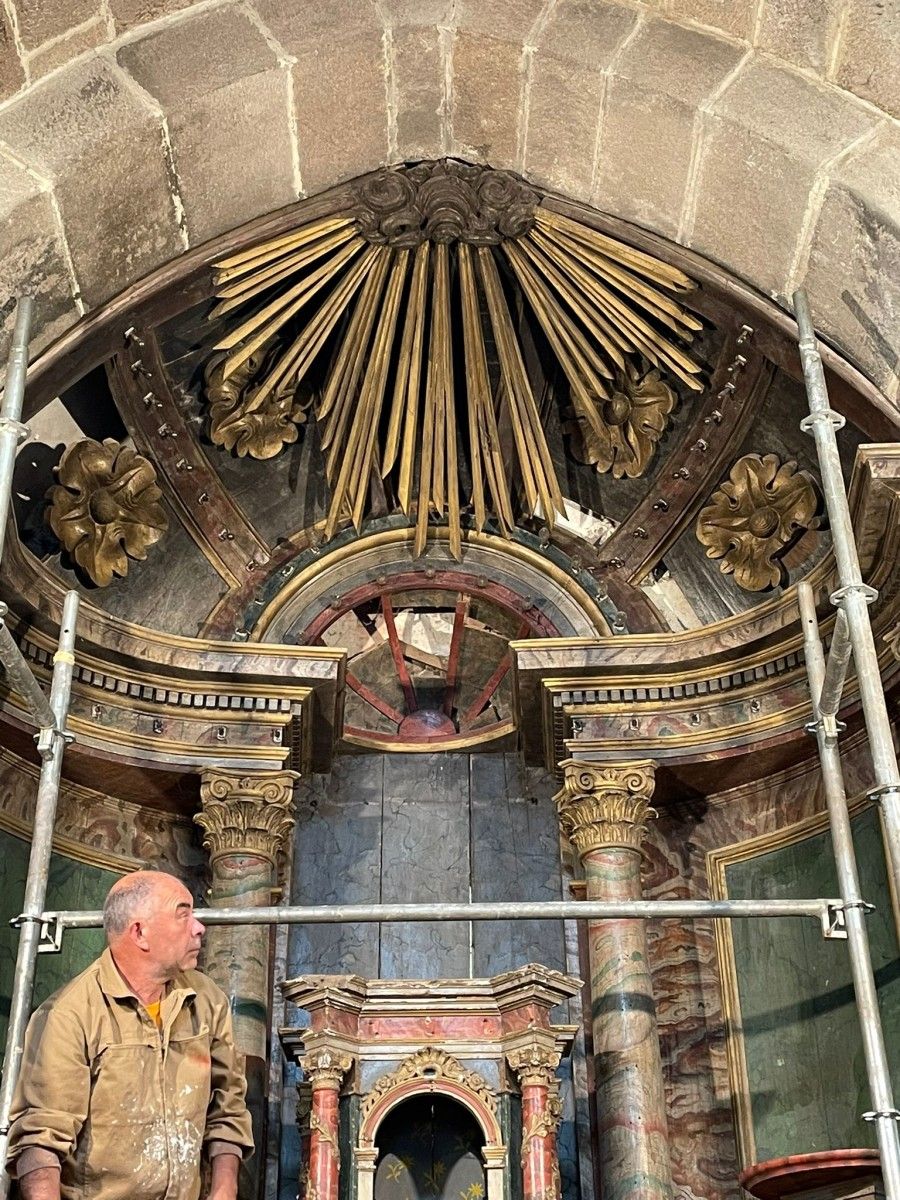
(69, 848)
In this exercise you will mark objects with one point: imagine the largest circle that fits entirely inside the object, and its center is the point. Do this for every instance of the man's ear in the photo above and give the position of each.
(137, 934)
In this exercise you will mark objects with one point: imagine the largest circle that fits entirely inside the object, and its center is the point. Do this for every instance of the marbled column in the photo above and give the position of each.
(245, 818)
(535, 1065)
(603, 810)
(324, 1069)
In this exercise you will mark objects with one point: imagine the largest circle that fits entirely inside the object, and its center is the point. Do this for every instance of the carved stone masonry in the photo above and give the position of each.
(246, 814)
(445, 201)
(605, 805)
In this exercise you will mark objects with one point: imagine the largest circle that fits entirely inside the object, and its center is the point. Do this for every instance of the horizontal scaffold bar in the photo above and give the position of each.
(820, 909)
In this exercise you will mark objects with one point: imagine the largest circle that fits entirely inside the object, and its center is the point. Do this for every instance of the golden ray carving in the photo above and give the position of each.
(429, 258)
(106, 508)
(755, 516)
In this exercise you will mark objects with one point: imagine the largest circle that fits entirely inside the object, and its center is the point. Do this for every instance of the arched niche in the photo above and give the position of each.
(427, 1072)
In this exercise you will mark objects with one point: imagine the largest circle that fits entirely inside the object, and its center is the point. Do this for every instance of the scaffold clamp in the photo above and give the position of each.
(882, 1114)
(834, 922)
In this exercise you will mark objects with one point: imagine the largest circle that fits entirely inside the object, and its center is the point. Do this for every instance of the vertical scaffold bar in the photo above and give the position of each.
(12, 431)
(884, 1114)
(51, 744)
(853, 595)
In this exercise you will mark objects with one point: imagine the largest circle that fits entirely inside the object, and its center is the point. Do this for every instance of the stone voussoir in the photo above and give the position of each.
(853, 276)
(220, 85)
(85, 131)
(664, 73)
(765, 141)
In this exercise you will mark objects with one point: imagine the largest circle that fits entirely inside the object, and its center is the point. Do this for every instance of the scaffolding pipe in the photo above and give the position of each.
(12, 431)
(835, 668)
(884, 1115)
(853, 595)
(21, 677)
(52, 741)
(587, 910)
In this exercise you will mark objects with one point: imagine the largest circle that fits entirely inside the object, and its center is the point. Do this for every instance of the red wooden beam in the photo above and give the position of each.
(397, 654)
(370, 697)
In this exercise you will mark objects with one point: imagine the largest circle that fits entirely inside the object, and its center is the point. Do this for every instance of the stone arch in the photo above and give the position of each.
(762, 148)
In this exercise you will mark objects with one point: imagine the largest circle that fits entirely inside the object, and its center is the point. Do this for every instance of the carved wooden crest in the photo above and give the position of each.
(430, 1064)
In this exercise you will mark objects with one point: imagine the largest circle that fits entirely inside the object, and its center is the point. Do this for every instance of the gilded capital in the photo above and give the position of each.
(605, 805)
(325, 1068)
(245, 813)
(534, 1064)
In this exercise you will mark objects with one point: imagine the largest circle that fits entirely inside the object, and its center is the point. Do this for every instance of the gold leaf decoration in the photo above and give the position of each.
(755, 516)
(634, 418)
(106, 507)
(428, 253)
(240, 423)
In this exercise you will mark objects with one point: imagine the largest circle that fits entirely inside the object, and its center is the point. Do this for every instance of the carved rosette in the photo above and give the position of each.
(446, 201)
(534, 1064)
(324, 1068)
(624, 431)
(435, 1065)
(602, 806)
(246, 814)
(247, 423)
(755, 516)
(106, 508)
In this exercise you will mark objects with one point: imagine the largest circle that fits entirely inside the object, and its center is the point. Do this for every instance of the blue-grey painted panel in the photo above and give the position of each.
(337, 856)
(515, 855)
(425, 858)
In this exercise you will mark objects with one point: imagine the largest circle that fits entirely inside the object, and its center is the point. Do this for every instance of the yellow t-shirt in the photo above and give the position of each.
(153, 1010)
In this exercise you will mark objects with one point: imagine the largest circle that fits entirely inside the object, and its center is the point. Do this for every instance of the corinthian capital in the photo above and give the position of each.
(534, 1063)
(245, 813)
(324, 1067)
(605, 805)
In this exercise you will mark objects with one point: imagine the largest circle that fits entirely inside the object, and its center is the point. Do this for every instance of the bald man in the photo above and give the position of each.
(130, 1077)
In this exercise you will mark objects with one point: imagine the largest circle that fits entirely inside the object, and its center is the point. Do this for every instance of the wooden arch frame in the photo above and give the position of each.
(427, 1071)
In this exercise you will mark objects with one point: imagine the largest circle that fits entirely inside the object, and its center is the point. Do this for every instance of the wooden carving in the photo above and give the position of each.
(629, 424)
(426, 260)
(106, 508)
(755, 516)
(433, 1064)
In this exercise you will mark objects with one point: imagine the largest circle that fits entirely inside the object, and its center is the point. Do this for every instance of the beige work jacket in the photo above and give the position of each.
(128, 1107)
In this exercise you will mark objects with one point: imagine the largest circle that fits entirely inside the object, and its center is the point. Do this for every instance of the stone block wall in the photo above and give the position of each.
(763, 133)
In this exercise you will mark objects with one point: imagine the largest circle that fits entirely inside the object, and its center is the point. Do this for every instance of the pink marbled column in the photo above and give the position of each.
(324, 1069)
(535, 1065)
(603, 809)
(540, 1167)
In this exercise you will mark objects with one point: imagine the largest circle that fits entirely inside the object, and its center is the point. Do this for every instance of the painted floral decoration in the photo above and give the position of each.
(106, 507)
(755, 516)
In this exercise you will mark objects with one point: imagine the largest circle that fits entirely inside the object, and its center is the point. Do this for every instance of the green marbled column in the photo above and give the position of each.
(245, 819)
(603, 810)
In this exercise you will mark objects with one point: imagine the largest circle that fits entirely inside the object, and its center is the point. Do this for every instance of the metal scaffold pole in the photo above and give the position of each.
(51, 740)
(852, 596)
(884, 1114)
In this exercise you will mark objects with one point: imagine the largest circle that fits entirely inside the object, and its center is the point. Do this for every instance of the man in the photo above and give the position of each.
(130, 1075)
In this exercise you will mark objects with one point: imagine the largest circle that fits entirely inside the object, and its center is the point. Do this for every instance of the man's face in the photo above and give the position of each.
(172, 933)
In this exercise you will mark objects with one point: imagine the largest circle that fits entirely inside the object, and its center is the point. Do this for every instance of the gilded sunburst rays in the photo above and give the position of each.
(395, 405)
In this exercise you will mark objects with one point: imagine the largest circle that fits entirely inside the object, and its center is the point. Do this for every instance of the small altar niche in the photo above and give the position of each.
(430, 1090)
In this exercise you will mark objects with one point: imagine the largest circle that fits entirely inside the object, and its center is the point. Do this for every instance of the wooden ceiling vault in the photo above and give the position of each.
(459, 355)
